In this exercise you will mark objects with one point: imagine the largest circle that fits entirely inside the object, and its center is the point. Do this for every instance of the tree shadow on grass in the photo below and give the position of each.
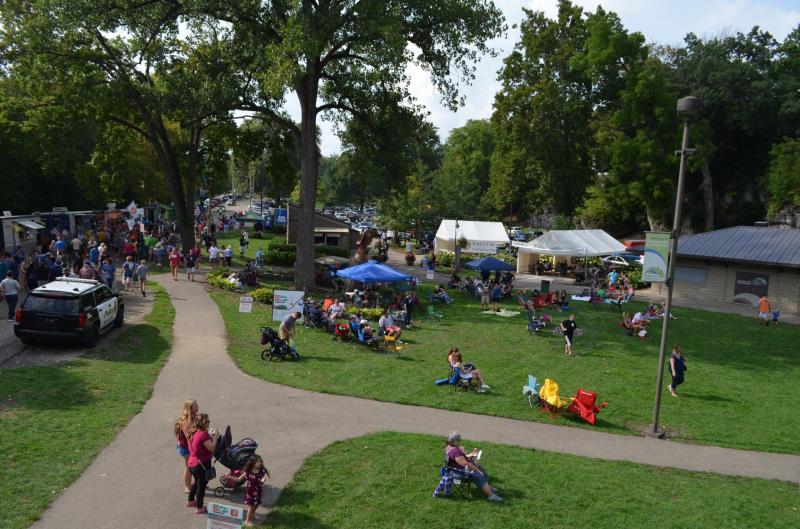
(295, 520)
(48, 387)
(141, 344)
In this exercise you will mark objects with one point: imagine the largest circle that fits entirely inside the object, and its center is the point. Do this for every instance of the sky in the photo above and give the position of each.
(663, 21)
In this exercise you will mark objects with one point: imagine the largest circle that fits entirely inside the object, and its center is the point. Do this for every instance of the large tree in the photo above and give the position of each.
(342, 57)
(129, 64)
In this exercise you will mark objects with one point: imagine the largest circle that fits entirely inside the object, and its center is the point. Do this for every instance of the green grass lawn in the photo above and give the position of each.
(540, 489)
(738, 388)
(55, 419)
(232, 239)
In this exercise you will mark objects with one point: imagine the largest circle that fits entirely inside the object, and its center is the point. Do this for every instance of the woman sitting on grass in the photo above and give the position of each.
(456, 362)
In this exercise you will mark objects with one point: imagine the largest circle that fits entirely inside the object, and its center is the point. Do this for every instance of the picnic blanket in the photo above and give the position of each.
(503, 312)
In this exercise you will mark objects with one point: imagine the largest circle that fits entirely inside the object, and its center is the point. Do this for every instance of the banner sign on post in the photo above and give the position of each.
(246, 304)
(287, 302)
(222, 516)
(656, 257)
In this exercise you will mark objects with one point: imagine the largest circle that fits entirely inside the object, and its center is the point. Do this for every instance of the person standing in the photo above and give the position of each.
(228, 256)
(763, 310)
(483, 292)
(128, 268)
(677, 366)
(568, 326)
(213, 253)
(174, 261)
(108, 272)
(286, 329)
(191, 265)
(141, 271)
(182, 424)
(9, 288)
(201, 449)
(408, 304)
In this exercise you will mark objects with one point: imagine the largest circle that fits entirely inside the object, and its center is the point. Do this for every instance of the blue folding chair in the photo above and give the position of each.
(531, 390)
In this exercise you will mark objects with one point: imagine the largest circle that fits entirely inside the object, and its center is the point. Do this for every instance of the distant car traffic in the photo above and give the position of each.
(69, 310)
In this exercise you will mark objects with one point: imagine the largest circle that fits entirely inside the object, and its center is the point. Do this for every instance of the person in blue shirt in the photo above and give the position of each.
(108, 272)
(612, 278)
(60, 245)
(94, 254)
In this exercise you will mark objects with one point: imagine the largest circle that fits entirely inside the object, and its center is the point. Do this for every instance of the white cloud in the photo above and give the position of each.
(658, 20)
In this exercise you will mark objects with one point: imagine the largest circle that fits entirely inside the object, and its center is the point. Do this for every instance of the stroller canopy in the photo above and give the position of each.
(373, 272)
(489, 264)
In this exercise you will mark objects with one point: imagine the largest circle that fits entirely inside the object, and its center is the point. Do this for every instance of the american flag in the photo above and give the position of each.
(55, 232)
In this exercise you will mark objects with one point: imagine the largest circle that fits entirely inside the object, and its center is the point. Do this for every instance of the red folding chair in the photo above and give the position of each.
(584, 405)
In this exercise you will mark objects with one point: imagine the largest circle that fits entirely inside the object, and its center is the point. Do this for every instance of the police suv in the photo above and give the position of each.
(69, 309)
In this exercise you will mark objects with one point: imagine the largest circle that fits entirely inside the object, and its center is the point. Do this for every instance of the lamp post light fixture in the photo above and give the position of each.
(687, 107)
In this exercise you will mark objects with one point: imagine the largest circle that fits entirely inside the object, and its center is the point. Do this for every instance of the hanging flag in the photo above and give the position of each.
(656, 257)
(133, 210)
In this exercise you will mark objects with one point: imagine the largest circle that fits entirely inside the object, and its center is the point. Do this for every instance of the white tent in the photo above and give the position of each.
(566, 243)
(482, 237)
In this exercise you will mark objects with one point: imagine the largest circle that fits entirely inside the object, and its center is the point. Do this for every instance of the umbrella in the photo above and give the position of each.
(330, 260)
(489, 264)
(373, 272)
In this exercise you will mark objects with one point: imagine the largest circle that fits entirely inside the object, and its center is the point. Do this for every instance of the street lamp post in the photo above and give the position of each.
(457, 249)
(687, 107)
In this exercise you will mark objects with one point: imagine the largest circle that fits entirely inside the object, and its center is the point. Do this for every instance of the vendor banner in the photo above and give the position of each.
(481, 247)
(656, 257)
(286, 302)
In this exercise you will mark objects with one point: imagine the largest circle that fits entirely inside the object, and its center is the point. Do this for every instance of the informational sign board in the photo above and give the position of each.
(749, 288)
(111, 205)
(286, 302)
(481, 247)
(221, 516)
(246, 304)
(280, 217)
(429, 274)
(60, 209)
(656, 257)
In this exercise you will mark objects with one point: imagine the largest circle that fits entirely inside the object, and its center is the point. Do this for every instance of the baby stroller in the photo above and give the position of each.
(276, 349)
(233, 457)
(535, 324)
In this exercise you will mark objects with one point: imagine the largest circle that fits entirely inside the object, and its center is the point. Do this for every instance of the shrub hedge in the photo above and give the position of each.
(263, 295)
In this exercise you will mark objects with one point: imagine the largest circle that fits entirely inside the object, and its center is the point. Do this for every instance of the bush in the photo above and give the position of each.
(279, 257)
(263, 295)
(446, 259)
(216, 279)
(283, 247)
(367, 314)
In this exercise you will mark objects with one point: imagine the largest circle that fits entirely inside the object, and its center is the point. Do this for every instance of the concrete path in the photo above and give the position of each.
(136, 481)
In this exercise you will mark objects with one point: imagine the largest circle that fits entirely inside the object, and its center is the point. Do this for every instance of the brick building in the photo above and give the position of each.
(737, 265)
(328, 230)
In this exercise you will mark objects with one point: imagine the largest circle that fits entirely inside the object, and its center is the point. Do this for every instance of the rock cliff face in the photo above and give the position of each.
(788, 217)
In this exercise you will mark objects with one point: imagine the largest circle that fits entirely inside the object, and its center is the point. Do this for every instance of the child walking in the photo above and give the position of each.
(128, 268)
(141, 271)
(256, 475)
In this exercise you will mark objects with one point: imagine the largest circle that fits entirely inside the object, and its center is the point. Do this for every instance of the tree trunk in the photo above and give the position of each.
(708, 198)
(309, 173)
(655, 223)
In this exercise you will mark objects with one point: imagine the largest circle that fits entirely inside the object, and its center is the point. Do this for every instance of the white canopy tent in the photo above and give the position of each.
(482, 237)
(566, 243)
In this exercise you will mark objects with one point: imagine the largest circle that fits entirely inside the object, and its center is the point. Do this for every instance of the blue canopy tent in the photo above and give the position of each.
(489, 264)
(373, 272)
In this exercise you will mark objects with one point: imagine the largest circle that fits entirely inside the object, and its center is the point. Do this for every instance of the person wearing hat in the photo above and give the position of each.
(463, 464)
(366, 328)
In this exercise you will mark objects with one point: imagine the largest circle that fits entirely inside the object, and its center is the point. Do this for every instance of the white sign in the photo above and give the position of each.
(429, 274)
(60, 209)
(111, 205)
(481, 247)
(221, 516)
(246, 304)
(133, 209)
(287, 302)
(6, 213)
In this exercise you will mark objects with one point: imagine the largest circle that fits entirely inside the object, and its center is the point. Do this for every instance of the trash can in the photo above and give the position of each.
(545, 286)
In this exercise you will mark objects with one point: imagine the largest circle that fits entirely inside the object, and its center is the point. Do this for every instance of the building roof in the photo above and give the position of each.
(745, 244)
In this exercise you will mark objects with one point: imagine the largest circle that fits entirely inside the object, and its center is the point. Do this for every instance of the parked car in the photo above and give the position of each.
(69, 310)
(622, 259)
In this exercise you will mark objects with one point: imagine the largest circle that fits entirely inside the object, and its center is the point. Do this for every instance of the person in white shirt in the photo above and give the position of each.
(640, 320)
(9, 288)
(213, 253)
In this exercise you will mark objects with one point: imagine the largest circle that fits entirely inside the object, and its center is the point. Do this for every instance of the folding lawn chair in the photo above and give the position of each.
(390, 345)
(531, 390)
(584, 405)
(434, 314)
(552, 403)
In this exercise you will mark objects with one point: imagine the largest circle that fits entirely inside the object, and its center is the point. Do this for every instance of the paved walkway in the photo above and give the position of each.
(136, 481)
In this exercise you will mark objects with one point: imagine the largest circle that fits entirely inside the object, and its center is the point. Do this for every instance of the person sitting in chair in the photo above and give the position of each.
(456, 362)
(387, 325)
(337, 309)
(367, 331)
(460, 462)
(441, 295)
(528, 304)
